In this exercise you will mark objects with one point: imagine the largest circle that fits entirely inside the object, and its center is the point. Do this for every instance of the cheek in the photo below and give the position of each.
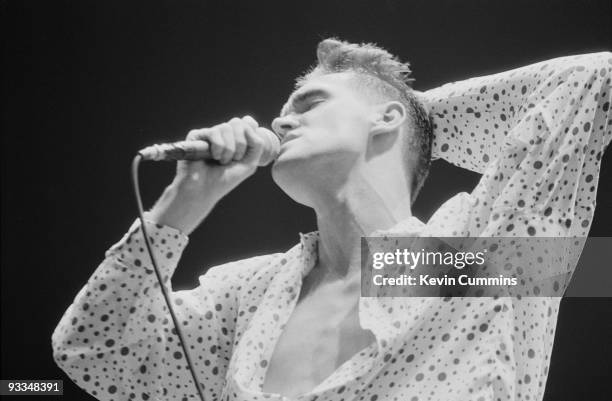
(342, 129)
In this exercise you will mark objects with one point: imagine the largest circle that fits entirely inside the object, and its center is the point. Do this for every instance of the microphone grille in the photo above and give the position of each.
(272, 148)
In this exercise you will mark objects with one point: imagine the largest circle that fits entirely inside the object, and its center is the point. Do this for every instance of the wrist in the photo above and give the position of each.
(182, 208)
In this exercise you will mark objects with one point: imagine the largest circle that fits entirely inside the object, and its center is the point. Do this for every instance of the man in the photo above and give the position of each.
(356, 147)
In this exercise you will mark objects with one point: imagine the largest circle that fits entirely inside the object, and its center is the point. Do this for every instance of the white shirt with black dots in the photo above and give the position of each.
(537, 135)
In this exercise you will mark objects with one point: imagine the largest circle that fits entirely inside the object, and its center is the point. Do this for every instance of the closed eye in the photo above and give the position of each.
(305, 101)
(312, 104)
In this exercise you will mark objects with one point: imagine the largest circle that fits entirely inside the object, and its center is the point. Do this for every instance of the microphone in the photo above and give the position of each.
(200, 150)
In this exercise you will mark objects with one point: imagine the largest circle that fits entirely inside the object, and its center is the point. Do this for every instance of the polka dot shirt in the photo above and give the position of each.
(536, 134)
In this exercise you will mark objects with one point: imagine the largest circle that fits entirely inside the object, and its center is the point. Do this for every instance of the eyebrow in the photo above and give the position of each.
(302, 98)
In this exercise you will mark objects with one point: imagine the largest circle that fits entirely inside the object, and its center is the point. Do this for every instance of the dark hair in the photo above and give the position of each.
(383, 74)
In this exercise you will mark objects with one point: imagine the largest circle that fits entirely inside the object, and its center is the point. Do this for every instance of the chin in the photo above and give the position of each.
(290, 161)
(294, 177)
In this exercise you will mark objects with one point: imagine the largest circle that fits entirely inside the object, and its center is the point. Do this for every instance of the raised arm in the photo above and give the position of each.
(473, 118)
(537, 134)
(117, 340)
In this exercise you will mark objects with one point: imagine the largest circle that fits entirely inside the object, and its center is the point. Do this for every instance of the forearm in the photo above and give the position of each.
(473, 118)
(115, 320)
(182, 208)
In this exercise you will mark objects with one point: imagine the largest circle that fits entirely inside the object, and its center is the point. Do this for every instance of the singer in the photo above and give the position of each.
(356, 146)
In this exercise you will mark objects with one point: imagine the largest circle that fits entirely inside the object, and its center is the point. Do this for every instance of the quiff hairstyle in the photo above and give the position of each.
(381, 74)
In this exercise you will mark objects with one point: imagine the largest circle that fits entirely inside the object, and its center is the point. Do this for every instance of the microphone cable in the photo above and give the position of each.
(135, 164)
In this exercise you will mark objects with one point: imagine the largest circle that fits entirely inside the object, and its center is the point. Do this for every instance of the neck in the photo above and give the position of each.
(363, 204)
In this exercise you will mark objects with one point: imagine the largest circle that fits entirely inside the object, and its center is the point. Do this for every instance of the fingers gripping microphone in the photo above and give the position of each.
(200, 150)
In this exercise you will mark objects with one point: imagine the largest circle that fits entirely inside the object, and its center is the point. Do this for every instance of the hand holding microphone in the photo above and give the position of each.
(200, 148)
(212, 162)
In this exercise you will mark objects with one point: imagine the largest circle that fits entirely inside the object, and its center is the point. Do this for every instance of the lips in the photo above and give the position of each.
(288, 138)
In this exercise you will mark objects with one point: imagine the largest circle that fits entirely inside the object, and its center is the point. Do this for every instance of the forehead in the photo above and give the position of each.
(332, 84)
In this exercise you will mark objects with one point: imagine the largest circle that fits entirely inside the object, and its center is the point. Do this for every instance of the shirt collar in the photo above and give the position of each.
(309, 246)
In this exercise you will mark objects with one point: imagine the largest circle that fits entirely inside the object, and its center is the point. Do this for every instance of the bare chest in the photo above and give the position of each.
(322, 333)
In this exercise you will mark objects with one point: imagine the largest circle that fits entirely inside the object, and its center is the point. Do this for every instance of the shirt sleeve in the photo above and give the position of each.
(537, 134)
(117, 340)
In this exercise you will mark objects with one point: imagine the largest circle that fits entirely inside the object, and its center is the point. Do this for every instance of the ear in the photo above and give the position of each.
(388, 117)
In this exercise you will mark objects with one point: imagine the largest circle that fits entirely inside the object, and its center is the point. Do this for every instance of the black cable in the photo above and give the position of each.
(135, 164)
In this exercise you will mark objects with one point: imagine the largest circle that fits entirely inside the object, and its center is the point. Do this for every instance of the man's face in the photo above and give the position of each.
(324, 128)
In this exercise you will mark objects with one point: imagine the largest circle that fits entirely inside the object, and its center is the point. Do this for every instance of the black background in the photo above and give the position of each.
(85, 84)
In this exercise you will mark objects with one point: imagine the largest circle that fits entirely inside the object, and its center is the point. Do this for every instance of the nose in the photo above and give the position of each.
(282, 125)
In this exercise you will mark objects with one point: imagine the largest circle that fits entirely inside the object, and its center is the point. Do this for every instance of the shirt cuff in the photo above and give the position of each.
(167, 244)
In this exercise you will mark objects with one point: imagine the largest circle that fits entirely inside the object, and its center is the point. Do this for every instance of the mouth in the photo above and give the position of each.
(288, 138)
